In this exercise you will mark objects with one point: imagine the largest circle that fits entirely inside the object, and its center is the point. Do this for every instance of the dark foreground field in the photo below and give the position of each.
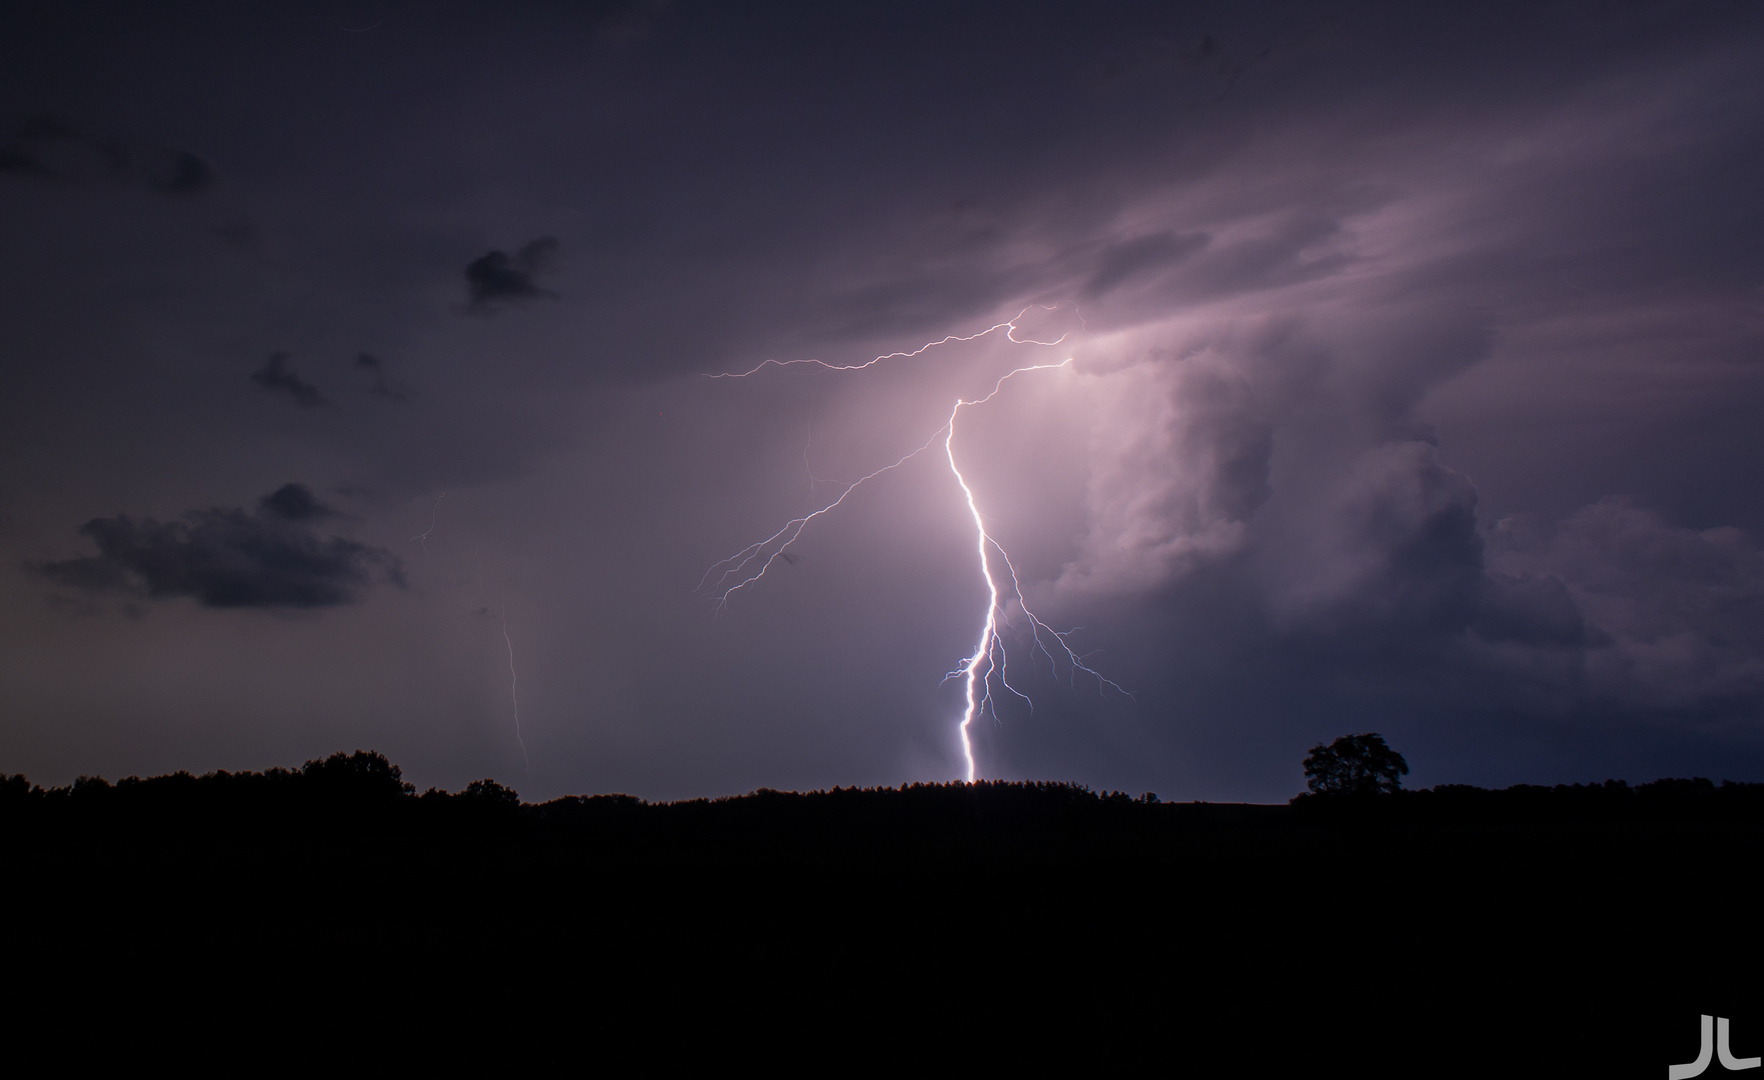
(327, 917)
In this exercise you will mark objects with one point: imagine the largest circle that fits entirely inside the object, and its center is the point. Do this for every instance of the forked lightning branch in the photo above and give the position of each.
(984, 673)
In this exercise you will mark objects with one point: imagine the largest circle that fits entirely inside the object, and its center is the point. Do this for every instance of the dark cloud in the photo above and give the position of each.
(1419, 517)
(1530, 609)
(294, 502)
(1673, 617)
(275, 377)
(226, 558)
(1610, 611)
(50, 147)
(495, 277)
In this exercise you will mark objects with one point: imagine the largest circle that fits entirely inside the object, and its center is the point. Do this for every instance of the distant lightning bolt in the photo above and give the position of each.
(515, 698)
(514, 680)
(423, 537)
(989, 659)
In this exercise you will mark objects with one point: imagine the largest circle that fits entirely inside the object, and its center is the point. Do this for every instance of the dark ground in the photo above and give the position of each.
(326, 918)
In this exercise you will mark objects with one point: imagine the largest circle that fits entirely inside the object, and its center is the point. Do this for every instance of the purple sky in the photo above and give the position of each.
(1416, 367)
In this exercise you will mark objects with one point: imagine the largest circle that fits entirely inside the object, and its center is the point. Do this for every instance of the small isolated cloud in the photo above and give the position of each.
(228, 558)
(497, 277)
(275, 376)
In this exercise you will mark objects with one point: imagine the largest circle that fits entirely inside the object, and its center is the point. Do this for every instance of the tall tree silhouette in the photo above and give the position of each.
(1361, 764)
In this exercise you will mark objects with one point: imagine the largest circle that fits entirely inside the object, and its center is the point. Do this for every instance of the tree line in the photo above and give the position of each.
(364, 791)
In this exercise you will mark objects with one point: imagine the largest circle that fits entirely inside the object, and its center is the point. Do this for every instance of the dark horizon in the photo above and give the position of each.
(1393, 369)
(381, 777)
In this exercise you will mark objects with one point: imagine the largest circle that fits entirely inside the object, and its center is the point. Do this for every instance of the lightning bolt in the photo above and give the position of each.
(1009, 326)
(515, 698)
(514, 680)
(774, 546)
(989, 661)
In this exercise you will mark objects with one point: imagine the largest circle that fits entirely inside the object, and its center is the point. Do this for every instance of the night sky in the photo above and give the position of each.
(354, 350)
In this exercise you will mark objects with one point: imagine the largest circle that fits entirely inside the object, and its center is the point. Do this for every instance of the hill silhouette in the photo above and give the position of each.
(345, 918)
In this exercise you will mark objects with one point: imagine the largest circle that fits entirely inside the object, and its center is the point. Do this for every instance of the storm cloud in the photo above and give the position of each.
(1386, 369)
(1662, 615)
(273, 557)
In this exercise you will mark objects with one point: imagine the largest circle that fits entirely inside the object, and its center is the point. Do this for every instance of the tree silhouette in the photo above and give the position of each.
(1355, 765)
(364, 775)
(489, 791)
